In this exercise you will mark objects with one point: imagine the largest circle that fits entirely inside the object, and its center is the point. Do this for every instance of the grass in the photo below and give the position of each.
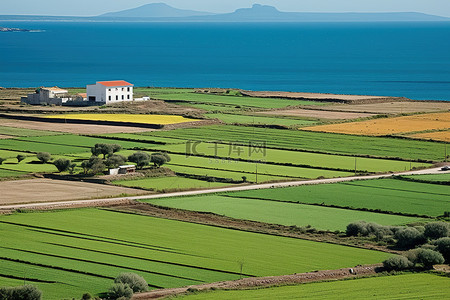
(13, 131)
(383, 194)
(246, 119)
(132, 118)
(313, 141)
(233, 100)
(407, 286)
(324, 218)
(386, 126)
(431, 177)
(164, 184)
(9, 154)
(78, 248)
(35, 146)
(5, 173)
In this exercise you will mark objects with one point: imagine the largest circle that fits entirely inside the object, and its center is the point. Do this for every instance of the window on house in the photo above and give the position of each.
(123, 97)
(122, 89)
(128, 97)
(109, 98)
(128, 89)
(117, 97)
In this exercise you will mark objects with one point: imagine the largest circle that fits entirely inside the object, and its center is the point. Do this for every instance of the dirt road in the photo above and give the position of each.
(105, 201)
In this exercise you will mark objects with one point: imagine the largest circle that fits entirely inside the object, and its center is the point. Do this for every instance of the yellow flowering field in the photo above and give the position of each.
(386, 126)
(133, 118)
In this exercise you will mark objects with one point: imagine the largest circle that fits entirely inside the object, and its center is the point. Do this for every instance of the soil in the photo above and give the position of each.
(255, 282)
(393, 107)
(318, 114)
(47, 190)
(322, 97)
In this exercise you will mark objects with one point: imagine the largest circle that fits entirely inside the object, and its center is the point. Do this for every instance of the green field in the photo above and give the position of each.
(233, 100)
(319, 217)
(444, 177)
(164, 184)
(5, 173)
(392, 195)
(35, 147)
(246, 119)
(314, 141)
(408, 286)
(13, 131)
(83, 250)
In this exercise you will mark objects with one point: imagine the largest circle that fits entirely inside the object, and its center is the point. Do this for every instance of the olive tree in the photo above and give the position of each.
(436, 230)
(159, 159)
(62, 164)
(105, 149)
(443, 246)
(24, 292)
(428, 258)
(141, 159)
(94, 165)
(134, 281)
(44, 157)
(115, 160)
(397, 263)
(20, 157)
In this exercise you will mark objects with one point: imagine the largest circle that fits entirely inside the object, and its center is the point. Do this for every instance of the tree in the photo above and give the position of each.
(134, 281)
(443, 246)
(94, 165)
(86, 296)
(24, 292)
(72, 168)
(397, 263)
(409, 237)
(2, 160)
(140, 158)
(119, 290)
(20, 157)
(159, 158)
(115, 160)
(105, 149)
(357, 228)
(436, 230)
(428, 258)
(62, 164)
(44, 157)
(244, 178)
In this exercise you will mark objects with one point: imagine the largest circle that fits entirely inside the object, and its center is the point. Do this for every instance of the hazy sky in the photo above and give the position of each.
(96, 7)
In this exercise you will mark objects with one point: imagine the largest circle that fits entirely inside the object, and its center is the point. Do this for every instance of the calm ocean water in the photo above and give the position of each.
(398, 59)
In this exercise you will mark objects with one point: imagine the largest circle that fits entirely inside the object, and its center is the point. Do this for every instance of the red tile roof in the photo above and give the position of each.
(115, 83)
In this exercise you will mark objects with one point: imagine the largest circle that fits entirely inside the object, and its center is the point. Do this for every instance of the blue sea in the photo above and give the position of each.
(392, 59)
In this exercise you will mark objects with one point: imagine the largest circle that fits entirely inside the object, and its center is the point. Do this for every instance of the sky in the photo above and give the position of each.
(96, 7)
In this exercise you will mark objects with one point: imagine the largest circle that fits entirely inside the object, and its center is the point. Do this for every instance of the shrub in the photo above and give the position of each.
(115, 160)
(443, 246)
(140, 158)
(62, 164)
(20, 157)
(134, 281)
(44, 157)
(24, 292)
(94, 165)
(159, 159)
(86, 296)
(428, 258)
(397, 263)
(120, 290)
(436, 230)
(356, 228)
(409, 237)
(2, 160)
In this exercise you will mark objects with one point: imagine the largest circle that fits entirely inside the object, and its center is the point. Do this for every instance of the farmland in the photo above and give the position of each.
(443, 136)
(77, 251)
(247, 119)
(389, 126)
(131, 118)
(312, 141)
(274, 212)
(407, 286)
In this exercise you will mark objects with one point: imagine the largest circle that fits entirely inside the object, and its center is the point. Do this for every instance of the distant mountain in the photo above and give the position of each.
(155, 10)
(160, 12)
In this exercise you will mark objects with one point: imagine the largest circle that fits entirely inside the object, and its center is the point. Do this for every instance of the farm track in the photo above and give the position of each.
(246, 283)
(121, 200)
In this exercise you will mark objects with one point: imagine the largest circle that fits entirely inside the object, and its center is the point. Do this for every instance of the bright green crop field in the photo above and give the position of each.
(407, 286)
(5, 173)
(82, 250)
(319, 217)
(25, 132)
(35, 147)
(314, 141)
(245, 119)
(431, 177)
(392, 195)
(162, 184)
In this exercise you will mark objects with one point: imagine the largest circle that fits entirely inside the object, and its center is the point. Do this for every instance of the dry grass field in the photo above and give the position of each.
(435, 136)
(133, 118)
(318, 114)
(393, 107)
(388, 126)
(47, 190)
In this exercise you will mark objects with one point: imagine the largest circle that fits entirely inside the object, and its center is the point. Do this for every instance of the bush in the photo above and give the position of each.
(409, 237)
(357, 228)
(2, 160)
(428, 258)
(159, 159)
(115, 161)
(436, 230)
(443, 246)
(120, 290)
(62, 164)
(86, 296)
(140, 158)
(25, 292)
(397, 263)
(134, 281)
(95, 165)
(20, 157)
(44, 157)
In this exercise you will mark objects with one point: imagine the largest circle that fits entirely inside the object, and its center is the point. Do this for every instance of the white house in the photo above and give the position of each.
(110, 91)
(47, 95)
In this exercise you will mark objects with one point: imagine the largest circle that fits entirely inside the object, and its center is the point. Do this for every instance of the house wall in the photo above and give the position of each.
(118, 94)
